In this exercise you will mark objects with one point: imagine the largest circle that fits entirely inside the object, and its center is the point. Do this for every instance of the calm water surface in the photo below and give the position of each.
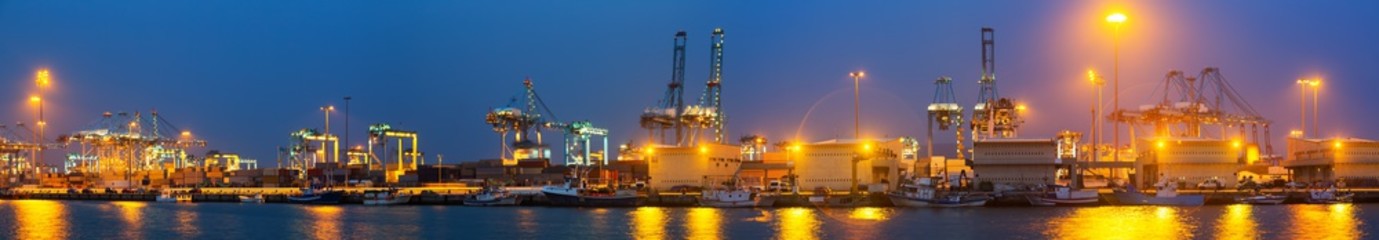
(41, 219)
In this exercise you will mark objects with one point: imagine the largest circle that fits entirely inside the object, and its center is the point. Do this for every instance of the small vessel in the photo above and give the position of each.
(173, 197)
(388, 197)
(1167, 194)
(1062, 195)
(1262, 199)
(493, 195)
(317, 196)
(922, 193)
(734, 197)
(1328, 196)
(256, 198)
(576, 192)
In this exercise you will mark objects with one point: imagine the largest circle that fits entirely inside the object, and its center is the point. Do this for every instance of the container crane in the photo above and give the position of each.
(379, 134)
(666, 114)
(709, 112)
(117, 145)
(993, 116)
(1190, 103)
(945, 111)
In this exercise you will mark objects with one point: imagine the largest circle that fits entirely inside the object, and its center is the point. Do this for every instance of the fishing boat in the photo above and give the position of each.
(734, 197)
(317, 196)
(1062, 195)
(1262, 199)
(173, 197)
(493, 195)
(1328, 196)
(256, 198)
(922, 193)
(386, 197)
(1167, 194)
(576, 192)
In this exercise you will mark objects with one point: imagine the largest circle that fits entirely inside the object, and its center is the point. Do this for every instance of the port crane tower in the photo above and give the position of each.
(666, 115)
(945, 111)
(993, 116)
(117, 145)
(1188, 104)
(708, 114)
(523, 117)
(13, 145)
(379, 134)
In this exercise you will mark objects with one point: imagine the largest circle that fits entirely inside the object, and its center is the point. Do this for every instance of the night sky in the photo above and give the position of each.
(243, 74)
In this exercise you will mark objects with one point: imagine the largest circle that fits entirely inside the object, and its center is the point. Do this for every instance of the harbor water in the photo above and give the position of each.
(46, 219)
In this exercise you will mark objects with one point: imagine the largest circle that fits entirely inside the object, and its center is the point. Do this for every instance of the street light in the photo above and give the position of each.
(327, 109)
(856, 103)
(1118, 19)
(1316, 95)
(1302, 104)
(1096, 114)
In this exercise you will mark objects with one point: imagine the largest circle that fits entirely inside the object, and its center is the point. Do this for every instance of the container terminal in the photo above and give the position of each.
(1202, 135)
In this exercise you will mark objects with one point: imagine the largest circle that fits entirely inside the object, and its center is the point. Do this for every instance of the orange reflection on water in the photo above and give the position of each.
(1335, 221)
(704, 223)
(186, 222)
(1120, 222)
(870, 213)
(39, 219)
(798, 223)
(325, 221)
(1237, 223)
(133, 215)
(649, 223)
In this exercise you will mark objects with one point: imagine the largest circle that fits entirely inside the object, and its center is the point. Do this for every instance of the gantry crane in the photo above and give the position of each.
(117, 145)
(13, 146)
(666, 114)
(1190, 103)
(993, 116)
(379, 134)
(708, 114)
(945, 111)
(305, 156)
(526, 118)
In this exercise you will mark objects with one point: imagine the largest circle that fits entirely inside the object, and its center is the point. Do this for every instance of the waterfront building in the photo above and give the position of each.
(1193, 160)
(1351, 159)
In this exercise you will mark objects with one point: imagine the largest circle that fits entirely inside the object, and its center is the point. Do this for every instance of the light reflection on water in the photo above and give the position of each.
(39, 219)
(35, 219)
(1131, 222)
(1335, 221)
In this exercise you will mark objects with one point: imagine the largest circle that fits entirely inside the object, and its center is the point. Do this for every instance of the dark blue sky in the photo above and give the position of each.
(244, 74)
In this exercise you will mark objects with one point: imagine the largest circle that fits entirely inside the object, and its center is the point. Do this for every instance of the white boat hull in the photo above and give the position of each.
(1269, 199)
(902, 201)
(758, 202)
(1049, 201)
(505, 201)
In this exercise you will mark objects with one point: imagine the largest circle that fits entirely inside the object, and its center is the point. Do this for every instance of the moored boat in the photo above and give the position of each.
(1062, 195)
(1328, 196)
(576, 193)
(922, 193)
(1167, 194)
(317, 196)
(256, 198)
(387, 197)
(734, 197)
(493, 196)
(1262, 199)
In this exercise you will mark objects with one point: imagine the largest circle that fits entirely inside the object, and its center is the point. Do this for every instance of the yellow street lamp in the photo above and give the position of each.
(856, 105)
(1316, 88)
(1118, 19)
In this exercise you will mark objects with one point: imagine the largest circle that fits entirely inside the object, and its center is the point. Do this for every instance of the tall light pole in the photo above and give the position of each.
(1096, 114)
(347, 125)
(1117, 19)
(856, 103)
(43, 79)
(1302, 104)
(327, 109)
(1316, 95)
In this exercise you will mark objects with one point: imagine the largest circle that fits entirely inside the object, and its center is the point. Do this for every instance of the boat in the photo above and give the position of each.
(173, 197)
(1262, 199)
(493, 195)
(576, 192)
(388, 197)
(1167, 194)
(734, 197)
(731, 194)
(922, 193)
(1328, 196)
(1062, 195)
(256, 198)
(317, 196)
